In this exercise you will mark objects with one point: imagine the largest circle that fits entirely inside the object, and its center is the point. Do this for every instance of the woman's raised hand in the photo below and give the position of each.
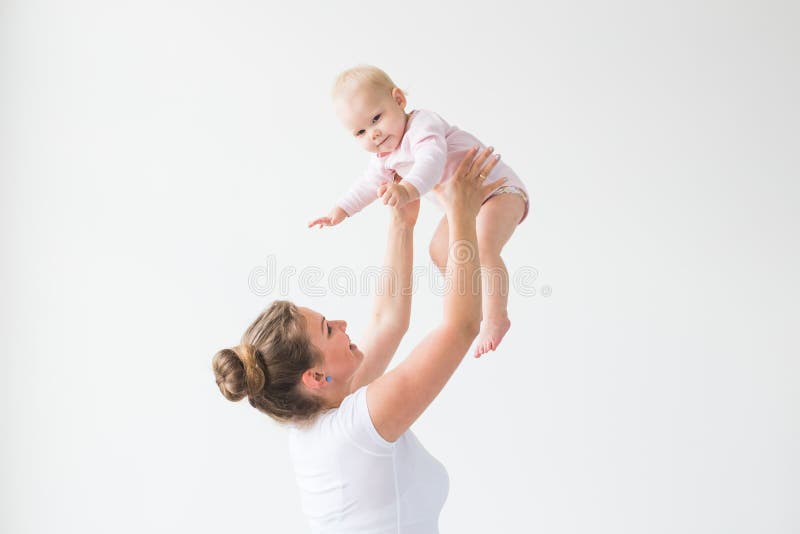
(467, 187)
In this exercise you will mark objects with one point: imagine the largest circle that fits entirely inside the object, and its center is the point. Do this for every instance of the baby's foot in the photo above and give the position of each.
(491, 335)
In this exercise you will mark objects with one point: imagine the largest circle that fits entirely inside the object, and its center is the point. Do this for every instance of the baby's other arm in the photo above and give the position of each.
(362, 193)
(336, 215)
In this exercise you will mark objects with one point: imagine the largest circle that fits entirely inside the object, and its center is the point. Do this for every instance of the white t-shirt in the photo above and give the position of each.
(352, 480)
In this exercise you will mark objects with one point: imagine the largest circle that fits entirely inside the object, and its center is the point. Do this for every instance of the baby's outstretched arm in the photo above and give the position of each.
(333, 218)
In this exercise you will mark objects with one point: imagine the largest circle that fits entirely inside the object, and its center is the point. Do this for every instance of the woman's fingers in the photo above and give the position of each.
(489, 166)
(479, 162)
(466, 162)
(487, 188)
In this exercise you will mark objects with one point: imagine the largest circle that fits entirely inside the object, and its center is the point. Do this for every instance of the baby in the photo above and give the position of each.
(424, 150)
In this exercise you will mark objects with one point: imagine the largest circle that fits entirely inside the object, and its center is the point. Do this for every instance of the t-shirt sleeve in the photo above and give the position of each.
(363, 192)
(428, 143)
(355, 422)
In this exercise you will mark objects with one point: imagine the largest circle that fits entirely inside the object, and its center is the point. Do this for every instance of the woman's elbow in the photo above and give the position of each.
(403, 322)
(405, 326)
(467, 330)
(395, 325)
(472, 329)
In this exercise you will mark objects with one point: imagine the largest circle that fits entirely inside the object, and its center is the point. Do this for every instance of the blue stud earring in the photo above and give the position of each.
(328, 378)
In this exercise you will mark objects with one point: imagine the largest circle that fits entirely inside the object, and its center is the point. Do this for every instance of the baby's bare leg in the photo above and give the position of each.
(439, 243)
(496, 222)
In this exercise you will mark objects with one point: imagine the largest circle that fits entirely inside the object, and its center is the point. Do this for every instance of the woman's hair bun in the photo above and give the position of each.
(238, 372)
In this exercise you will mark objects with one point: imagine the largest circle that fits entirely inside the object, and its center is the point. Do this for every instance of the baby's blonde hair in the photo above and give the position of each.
(360, 75)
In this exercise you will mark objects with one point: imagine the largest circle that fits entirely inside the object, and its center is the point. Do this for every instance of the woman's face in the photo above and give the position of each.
(340, 357)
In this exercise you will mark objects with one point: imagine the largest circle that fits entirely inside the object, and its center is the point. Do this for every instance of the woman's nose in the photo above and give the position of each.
(340, 324)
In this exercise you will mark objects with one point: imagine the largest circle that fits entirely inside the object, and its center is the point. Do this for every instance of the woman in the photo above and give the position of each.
(359, 467)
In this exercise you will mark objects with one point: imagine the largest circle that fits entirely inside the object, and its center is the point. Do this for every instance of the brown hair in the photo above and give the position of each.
(267, 365)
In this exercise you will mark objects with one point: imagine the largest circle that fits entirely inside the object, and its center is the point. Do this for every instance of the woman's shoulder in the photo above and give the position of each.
(353, 419)
(349, 423)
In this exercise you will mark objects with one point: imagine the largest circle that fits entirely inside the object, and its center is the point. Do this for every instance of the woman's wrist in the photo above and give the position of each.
(402, 218)
(460, 212)
(399, 224)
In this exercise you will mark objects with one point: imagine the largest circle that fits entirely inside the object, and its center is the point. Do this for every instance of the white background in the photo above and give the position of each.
(154, 153)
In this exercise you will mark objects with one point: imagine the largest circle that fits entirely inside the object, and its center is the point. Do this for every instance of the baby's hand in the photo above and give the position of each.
(336, 216)
(393, 194)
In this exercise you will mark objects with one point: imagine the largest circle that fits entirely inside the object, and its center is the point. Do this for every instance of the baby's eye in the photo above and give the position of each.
(359, 133)
(376, 118)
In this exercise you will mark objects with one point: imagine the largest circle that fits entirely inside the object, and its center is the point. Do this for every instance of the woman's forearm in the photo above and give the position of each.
(462, 303)
(393, 297)
(392, 310)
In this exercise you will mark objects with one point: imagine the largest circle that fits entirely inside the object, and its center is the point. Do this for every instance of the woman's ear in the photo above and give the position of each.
(313, 379)
(400, 97)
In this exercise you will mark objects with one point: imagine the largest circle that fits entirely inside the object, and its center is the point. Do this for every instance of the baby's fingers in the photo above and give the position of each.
(382, 189)
(322, 221)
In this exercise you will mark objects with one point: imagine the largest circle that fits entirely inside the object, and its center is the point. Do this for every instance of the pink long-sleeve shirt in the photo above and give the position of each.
(429, 153)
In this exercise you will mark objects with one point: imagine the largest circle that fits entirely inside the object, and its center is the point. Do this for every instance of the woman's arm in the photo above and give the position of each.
(396, 399)
(392, 310)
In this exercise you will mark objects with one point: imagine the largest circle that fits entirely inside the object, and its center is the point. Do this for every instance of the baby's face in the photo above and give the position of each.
(376, 119)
